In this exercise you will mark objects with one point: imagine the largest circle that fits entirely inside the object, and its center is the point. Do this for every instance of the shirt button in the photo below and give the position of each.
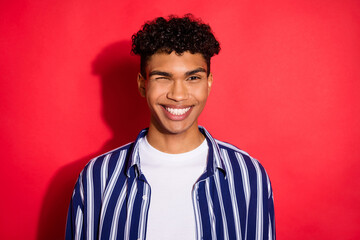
(144, 197)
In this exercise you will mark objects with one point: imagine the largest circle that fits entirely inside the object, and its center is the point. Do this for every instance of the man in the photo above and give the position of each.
(175, 181)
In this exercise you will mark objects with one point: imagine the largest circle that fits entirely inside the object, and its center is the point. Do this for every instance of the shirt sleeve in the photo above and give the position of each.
(271, 213)
(75, 217)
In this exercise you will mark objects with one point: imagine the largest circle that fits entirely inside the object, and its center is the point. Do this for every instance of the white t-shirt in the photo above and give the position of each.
(171, 178)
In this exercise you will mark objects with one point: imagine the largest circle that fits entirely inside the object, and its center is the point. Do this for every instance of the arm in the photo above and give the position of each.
(271, 214)
(74, 223)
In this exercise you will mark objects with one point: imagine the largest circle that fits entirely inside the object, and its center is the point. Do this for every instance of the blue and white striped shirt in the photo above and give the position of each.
(232, 199)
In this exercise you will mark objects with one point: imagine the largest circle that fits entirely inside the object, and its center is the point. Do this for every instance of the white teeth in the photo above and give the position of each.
(177, 111)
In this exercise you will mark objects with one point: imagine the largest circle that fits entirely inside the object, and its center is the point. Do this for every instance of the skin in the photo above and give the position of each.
(177, 82)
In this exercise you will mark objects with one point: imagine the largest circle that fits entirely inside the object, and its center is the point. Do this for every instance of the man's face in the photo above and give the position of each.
(176, 88)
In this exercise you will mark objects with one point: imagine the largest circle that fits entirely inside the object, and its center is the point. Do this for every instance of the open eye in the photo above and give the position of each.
(192, 78)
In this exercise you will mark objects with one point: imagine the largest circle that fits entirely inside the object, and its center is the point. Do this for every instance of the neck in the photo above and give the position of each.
(175, 143)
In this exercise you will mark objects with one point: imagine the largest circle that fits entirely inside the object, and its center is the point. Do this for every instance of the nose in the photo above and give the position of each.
(178, 91)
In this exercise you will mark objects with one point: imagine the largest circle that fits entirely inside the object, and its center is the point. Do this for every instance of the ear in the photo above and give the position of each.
(141, 85)
(209, 82)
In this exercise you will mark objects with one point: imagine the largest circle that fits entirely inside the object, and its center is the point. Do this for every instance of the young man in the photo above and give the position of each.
(175, 181)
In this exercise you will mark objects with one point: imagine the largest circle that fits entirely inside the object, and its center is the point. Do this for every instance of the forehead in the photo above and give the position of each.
(175, 63)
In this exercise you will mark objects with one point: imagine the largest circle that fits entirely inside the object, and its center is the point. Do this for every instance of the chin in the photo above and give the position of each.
(177, 128)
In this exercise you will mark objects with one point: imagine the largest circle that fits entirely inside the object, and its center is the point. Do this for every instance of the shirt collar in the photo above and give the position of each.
(215, 157)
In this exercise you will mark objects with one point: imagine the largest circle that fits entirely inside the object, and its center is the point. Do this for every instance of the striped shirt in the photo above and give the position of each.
(232, 199)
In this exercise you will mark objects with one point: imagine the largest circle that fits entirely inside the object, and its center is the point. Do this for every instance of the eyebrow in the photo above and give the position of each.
(200, 69)
(166, 74)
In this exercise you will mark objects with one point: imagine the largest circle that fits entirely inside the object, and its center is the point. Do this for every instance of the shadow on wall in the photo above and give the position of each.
(124, 111)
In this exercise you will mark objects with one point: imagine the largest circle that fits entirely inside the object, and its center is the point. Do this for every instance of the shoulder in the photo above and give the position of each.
(233, 157)
(239, 162)
(234, 154)
(230, 147)
(109, 160)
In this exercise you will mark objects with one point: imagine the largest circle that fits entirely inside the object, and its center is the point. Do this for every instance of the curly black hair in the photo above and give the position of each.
(174, 34)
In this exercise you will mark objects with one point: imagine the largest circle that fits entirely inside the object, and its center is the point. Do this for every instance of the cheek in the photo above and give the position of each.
(201, 93)
(154, 93)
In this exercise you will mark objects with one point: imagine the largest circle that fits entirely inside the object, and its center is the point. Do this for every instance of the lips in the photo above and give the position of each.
(177, 113)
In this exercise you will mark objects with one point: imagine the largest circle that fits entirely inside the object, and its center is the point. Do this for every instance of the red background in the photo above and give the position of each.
(286, 90)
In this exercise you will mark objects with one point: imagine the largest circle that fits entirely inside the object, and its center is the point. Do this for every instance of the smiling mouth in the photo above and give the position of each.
(177, 111)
